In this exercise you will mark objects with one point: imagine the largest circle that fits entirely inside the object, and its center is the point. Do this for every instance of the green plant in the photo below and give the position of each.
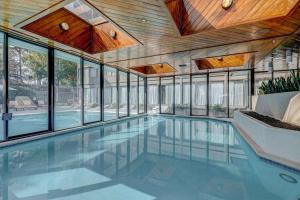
(217, 107)
(281, 84)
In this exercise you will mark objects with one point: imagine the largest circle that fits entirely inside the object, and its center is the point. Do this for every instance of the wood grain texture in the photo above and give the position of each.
(161, 42)
(154, 69)
(236, 60)
(193, 16)
(78, 36)
(81, 35)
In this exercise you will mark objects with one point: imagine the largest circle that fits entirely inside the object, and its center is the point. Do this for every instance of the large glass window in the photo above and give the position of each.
(167, 95)
(182, 95)
(218, 86)
(27, 87)
(133, 94)
(91, 79)
(67, 104)
(261, 77)
(1, 83)
(199, 95)
(153, 95)
(110, 93)
(123, 94)
(141, 95)
(238, 91)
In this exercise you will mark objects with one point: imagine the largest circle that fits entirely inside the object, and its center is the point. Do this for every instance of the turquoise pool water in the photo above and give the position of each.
(147, 158)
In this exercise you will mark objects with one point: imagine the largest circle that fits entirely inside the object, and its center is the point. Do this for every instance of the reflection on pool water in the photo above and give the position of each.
(30, 123)
(146, 158)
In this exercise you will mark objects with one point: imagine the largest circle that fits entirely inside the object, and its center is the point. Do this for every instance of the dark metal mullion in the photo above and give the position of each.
(174, 95)
(5, 86)
(228, 109)
(138, 95)
(128, 94)
(159, 94)
(145, 95)
(51, 87)
(101, 91)
(82, 90)
(191, 90)
(207, 94)
(252, 86)
(118, 95)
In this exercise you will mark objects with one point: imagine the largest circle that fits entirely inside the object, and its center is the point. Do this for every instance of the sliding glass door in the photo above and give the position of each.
(67, 91)
(238, 91)
(123, 94)
(141, 95)
(92, 99)
(110, 93)
(199, 94)
(1, 84)
(153, 95)
(27, 88)
(218, 94)
(167, 95)
(182, 95)
(133, 94)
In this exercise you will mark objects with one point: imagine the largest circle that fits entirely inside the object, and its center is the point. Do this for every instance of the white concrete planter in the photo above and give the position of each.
(282, 106)
(277, 144)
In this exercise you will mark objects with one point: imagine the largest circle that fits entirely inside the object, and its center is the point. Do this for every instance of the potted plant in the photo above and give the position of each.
(275, 96)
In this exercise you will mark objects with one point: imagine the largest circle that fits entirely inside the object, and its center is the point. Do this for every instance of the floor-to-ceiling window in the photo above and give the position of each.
(238, 91)
(92, 99)
(123, 94)
(199, 94)
(218, 94)
(260, 78)
(182, 95)
(1, 83)
(133, 94)
(110, 93)
(153, 95)
(141, 95)
(67, 87)
(167, 95)
(27, 87)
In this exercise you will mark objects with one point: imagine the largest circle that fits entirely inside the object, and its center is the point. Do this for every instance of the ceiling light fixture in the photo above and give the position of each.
(113, 34)
(144, 20)
(220, 58)
(64, 26)
(226, 4)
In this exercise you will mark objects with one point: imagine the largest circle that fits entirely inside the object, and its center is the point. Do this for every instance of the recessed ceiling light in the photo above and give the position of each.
(113, 34)
(220, 58)
(64, 26)
(226, 4)
(144, 20)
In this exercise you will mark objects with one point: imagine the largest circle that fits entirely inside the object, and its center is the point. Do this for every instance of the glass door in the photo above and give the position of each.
(238, 91)
(199, 94)
(218, 94)
(167, 95)
(27, 88)
(1, 85)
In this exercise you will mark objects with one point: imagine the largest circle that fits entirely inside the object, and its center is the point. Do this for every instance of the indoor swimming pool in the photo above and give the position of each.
(145, 158)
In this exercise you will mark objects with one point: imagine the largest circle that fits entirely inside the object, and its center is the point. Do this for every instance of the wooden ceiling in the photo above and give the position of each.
(160, 68)
(151, 23)
(236, 60)
(81, 35)
(194, 16)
